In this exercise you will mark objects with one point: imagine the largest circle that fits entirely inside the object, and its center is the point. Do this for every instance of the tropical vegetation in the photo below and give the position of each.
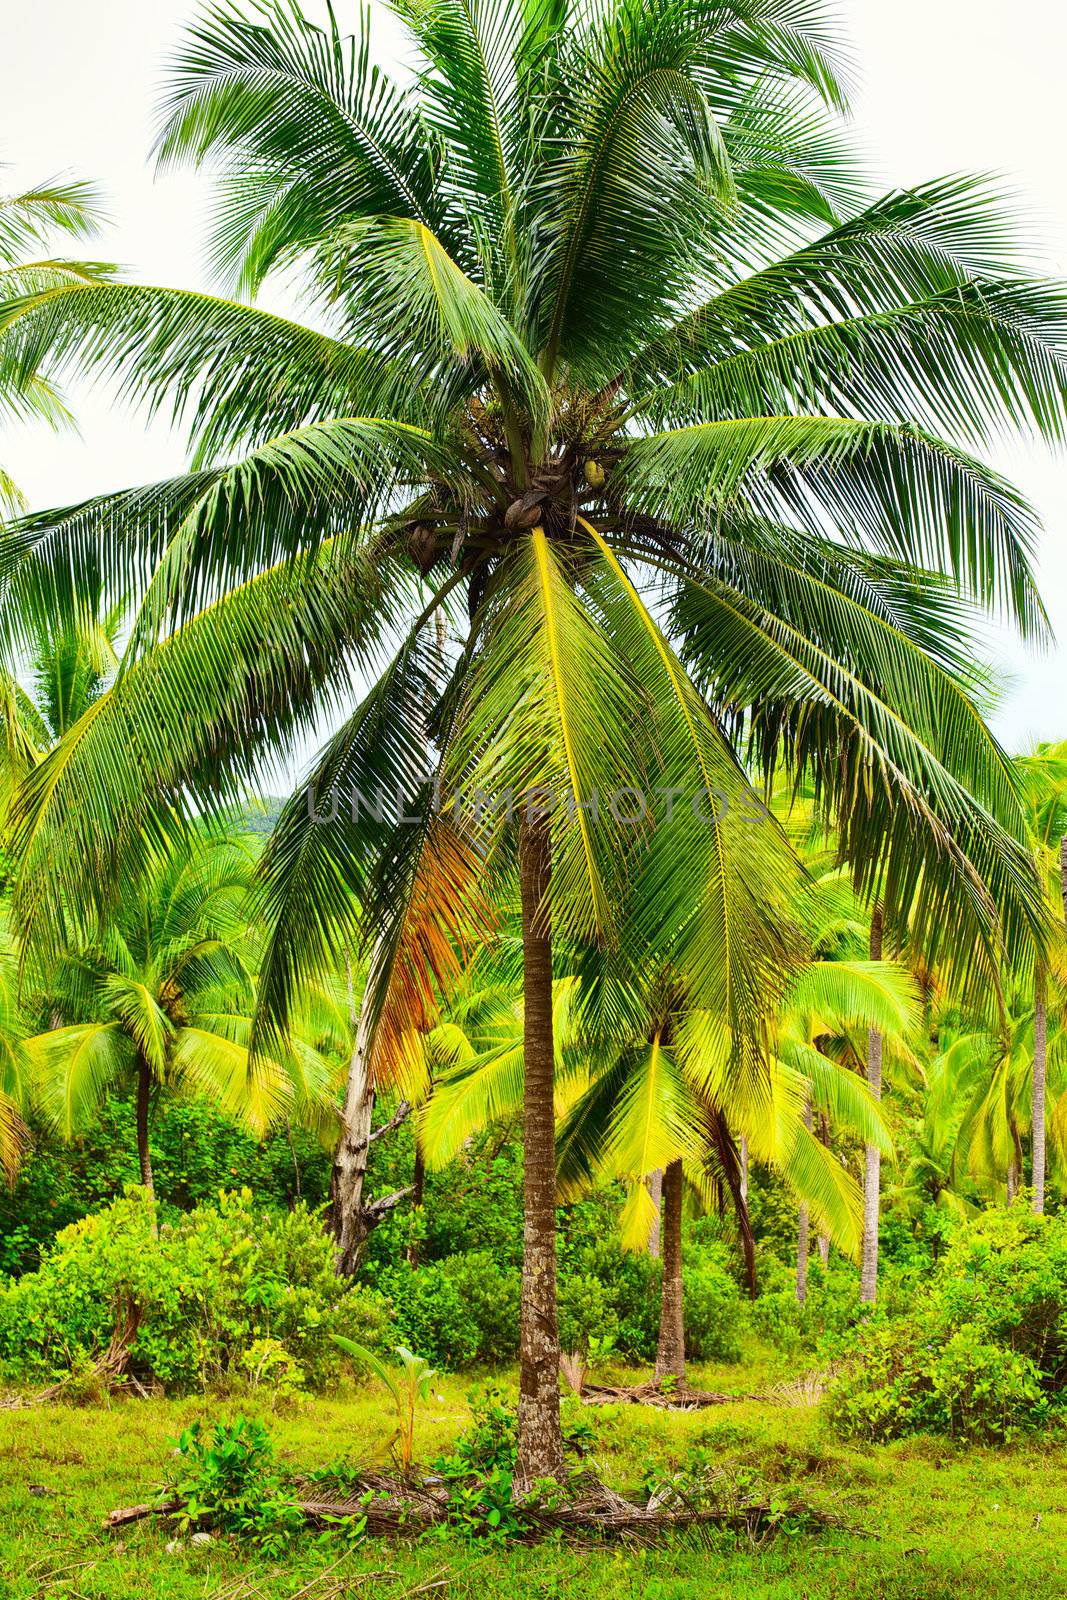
(661, 963)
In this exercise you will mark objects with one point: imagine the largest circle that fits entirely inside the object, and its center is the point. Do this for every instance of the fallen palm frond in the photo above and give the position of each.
(394, 1507)
(677, 1398)
(805, 1390)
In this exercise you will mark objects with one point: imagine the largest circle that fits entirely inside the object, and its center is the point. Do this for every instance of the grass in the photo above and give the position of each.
(926, 1520)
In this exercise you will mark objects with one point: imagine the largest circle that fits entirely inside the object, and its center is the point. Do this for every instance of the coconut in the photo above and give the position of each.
(521, 514)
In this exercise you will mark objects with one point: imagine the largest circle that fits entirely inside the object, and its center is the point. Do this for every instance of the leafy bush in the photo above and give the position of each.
(830, 1308)
(196, 1151)
(609, 1292)
(225, 1295)
(714, 1314)
(229, 1482)
(490, 1294)
(584, 1311)
(474, 1204)
(984, 1352)
(430, 1313)
(490, 1442)
(901, 1383)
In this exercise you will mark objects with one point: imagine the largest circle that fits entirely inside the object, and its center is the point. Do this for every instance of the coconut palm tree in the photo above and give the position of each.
(822, 1020)
(993, 1087)
(672, 1099)
(643, 1084)
(611, 362)
(159, 999)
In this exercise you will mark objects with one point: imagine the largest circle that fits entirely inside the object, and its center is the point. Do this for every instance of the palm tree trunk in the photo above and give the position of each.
(670, 1350)
(296, 1164)
(144, 1155)
(721, 1140)
(872, 1156)
(540, 1452)
(1015, 1170)
(418, 1184)
(1037, 1123)
(744, 1167)
(803, 1230)
(823, 1240)
(655, 1189)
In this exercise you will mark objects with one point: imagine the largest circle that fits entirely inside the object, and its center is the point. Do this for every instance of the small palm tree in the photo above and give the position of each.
(159, 1000)
(624, 376)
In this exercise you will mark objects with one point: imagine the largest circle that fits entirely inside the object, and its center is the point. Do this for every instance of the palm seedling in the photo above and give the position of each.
(407, 1387)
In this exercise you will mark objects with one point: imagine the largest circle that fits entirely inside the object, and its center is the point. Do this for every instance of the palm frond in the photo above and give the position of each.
(888, 488)
(72, 1069)
(309, 129)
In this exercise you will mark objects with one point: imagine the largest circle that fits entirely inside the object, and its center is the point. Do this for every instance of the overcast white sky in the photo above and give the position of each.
(945, 86)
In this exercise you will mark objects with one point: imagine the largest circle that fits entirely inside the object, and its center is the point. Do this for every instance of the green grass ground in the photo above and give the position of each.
(927, 1520)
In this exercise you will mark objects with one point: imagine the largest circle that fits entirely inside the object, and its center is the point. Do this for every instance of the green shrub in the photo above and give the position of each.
(430, 1314)
(490, 1442)
(900, 1383)
(612, 1293)
(585, 1311)
(227, 1294)
(229, 1482)
(490, 1293)
(884, 1390)
(715, 1317)
(984, 1392)
(474, 1204)
(984, 1351)
(196, 1151)
(830, 1308)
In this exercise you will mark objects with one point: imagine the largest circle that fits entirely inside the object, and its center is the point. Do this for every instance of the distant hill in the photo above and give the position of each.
(259, 815)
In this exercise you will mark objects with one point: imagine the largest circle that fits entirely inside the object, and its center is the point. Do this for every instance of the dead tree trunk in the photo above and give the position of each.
(351, 1218)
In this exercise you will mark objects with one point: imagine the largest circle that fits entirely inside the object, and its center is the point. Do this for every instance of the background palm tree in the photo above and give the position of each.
(14, 1134)
(161, 1001)
(626, 378)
